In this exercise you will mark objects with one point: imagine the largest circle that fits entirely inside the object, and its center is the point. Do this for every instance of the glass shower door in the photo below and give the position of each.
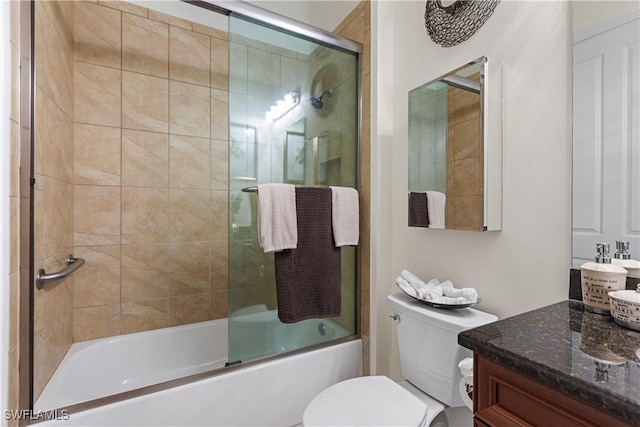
(293, 119)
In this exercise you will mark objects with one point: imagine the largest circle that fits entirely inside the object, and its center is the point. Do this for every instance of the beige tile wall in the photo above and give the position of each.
(53, 190)
(465, 160)
(150, 170)
(357, 26)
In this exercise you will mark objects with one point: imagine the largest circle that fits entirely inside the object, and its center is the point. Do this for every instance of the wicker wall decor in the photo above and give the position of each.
(453, 24)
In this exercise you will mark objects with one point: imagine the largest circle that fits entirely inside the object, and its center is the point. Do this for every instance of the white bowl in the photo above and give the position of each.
(625, 308)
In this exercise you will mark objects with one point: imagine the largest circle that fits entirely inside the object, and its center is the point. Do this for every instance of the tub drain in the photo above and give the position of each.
(322, 329)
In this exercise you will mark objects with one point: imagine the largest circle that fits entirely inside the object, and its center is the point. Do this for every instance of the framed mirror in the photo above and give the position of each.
(606, 127)
(455, 149)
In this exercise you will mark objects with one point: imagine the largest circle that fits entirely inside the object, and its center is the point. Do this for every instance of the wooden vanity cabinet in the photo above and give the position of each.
(503, 397)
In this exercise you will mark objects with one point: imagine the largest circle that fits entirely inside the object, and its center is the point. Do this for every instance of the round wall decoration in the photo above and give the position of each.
(451, 22)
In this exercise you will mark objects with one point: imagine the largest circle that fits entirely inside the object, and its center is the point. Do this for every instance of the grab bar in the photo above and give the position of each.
(72, 265)
(250, 190)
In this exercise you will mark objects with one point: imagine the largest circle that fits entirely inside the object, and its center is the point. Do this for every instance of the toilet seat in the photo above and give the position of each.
(365, 401)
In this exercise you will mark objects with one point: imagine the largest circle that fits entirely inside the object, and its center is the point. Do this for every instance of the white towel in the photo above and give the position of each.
(450, 301)
(425, 291)
(406, 287)
(436, 202)
(277, 223)
(469, 294)
(345, 216)
(412, 279)
(429, 296)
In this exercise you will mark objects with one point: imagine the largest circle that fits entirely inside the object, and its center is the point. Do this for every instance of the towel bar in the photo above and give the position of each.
(72, 265)
(250, 190)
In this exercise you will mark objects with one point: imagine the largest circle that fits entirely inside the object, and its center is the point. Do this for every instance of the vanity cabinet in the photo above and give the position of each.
(506, 398)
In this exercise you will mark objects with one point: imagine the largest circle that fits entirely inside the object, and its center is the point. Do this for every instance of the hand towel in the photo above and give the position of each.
(345, 216)
(308, 278)
(436, 202)
(418, 213)
(277, 222)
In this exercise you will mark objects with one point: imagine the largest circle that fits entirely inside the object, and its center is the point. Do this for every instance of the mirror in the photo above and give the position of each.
(606, 127)
(455, 149)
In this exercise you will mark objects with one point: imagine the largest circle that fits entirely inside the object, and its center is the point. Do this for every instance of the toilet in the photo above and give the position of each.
(429, 356)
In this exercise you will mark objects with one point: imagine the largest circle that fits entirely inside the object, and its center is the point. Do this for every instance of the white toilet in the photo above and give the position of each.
(429, 357)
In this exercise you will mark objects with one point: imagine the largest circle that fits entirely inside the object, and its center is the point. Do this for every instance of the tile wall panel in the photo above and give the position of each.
(150, 169)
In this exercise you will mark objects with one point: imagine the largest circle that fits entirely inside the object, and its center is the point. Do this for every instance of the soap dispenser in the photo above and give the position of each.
(622, 257)
(599, 278)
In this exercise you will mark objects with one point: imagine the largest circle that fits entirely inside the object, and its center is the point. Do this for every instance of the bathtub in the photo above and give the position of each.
(267, 393)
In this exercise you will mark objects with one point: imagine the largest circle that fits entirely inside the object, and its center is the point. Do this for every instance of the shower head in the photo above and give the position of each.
(316, 102)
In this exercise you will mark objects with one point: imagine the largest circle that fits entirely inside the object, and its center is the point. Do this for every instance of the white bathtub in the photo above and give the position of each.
(270, 393)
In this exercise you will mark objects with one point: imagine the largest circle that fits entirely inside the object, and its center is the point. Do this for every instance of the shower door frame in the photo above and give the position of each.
(26, 208)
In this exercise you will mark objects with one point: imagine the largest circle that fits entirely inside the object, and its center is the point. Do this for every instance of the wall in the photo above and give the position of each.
(53, 188)
(150, 170)
(586, 13)
(525, 265)
(329, 15)
(6, 48)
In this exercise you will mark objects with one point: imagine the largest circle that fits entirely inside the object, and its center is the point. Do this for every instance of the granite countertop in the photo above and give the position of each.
(583, 354)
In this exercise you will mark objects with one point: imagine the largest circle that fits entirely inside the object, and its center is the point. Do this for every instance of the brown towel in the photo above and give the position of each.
(308, 278)
(418, 213)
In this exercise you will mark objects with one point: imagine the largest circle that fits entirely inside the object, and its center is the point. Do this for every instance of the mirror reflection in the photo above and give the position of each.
(606, 124)
(448, 148)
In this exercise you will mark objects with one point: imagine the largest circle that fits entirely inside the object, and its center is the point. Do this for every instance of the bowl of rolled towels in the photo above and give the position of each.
(435, 293)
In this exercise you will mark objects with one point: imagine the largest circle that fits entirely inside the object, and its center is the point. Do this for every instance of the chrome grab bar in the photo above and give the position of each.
(72, 265)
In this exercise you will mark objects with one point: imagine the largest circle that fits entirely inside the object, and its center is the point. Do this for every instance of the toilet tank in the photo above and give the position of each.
(428, 345)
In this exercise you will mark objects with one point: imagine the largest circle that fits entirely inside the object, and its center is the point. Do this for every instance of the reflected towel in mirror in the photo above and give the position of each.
(436, 202)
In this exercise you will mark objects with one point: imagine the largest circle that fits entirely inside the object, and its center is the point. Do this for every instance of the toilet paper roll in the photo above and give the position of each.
(466, 390)
(466, 366)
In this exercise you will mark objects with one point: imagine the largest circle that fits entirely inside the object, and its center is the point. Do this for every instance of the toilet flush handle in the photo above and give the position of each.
(396, 317)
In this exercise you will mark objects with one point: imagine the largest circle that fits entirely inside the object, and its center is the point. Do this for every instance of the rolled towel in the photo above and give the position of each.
(449, 290)
(450, 301)
(407, 288)
(431, 296)
(412, 278)
(470, 294)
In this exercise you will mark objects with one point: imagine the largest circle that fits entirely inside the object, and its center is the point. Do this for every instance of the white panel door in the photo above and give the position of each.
(606, 141)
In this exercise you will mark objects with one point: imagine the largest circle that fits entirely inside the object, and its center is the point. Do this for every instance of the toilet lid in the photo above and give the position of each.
(365, 401)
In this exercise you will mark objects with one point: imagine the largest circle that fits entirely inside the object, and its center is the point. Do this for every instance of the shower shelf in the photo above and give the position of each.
(43, 278)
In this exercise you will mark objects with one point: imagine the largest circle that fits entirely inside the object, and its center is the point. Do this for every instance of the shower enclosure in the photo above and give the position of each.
(152, 128)
(277, 134)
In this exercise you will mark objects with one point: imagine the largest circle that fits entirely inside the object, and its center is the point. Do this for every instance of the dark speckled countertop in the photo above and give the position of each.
(570, 350)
